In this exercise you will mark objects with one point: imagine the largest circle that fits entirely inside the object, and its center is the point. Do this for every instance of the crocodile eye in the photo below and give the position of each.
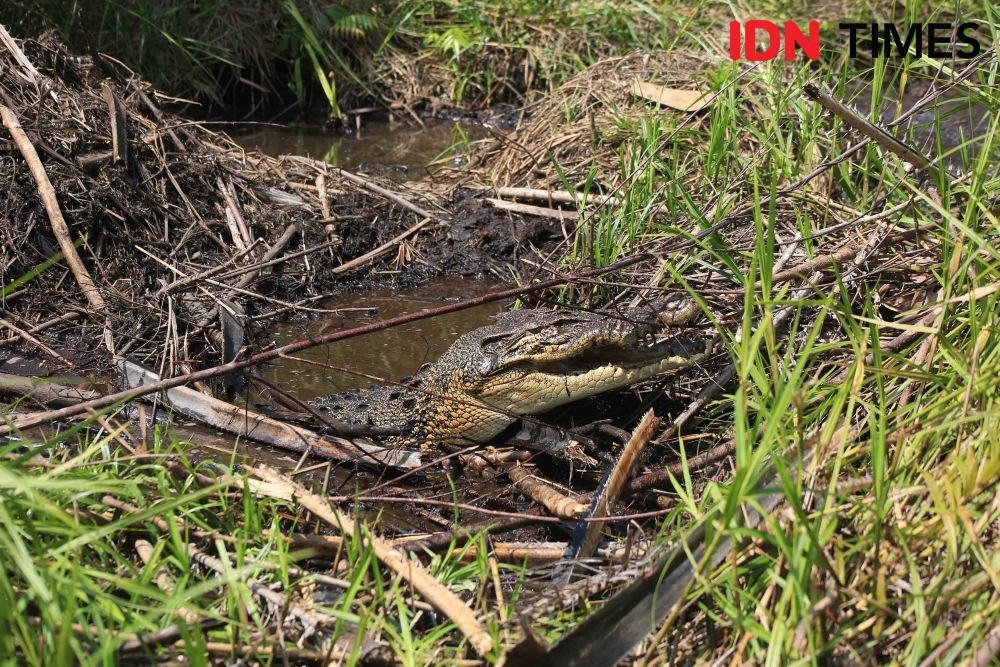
(490, 348)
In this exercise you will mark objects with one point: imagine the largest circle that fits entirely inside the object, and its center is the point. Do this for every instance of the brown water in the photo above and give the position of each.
(393, 353)
(400, 150)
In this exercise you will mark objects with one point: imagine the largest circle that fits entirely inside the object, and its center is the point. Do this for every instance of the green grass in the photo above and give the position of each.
(906, 562)
(73, 591)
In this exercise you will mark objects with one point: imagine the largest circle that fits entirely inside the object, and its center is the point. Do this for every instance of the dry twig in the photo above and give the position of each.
(277, 485)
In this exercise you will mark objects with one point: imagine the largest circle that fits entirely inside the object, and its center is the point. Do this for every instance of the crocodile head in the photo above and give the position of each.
(527, 363)
(535, 362)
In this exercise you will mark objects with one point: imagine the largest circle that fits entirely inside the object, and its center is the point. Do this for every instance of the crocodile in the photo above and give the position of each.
(527, 363)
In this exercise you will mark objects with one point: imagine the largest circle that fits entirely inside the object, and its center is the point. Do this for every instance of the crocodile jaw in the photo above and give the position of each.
(538, 391)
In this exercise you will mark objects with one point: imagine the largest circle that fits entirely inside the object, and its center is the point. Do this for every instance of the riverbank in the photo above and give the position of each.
(832, 468)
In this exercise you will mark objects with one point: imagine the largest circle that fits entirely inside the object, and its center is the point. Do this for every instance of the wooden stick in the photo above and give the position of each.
(263, 265)
(866, 127)
(119, 127)
(563, 197)
(234, 230)
(658, 477)
(588, 535)
(372, 254)
(33, 75)
(364, 183)
(34, 341)
(847, 252)
(544, 552)
(290, 231)
(239, 229)
(59, 227)
(207, 273)
(234, 419)
(556, 196)
(391, 196)
(528, 209)
(65, 317)
(277, 485)
(542, 492)
(43, 391)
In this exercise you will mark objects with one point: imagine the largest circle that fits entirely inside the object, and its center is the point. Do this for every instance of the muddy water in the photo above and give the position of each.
(954, 119)
(397, 150)
(392, 353)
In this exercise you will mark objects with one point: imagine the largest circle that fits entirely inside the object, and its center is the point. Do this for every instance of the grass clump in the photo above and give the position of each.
(111, 553)
(883, 365)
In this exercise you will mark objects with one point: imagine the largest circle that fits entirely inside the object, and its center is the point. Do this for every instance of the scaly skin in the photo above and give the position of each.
(528, 363)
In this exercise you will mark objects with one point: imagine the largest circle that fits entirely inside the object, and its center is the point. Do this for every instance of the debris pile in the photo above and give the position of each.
(579, 129)
(176, 226)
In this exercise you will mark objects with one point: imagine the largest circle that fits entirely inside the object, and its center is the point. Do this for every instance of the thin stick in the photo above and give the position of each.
(241, 225)
(37, 343)
(364, 183)
(208, 273)
(848, 252)
(528, 209)
(44, 391)
(372, 254)
(278, 486)
(272, 252)
(59, 227)
(234, 419)
(66, 317)
(279, 260)
(587, 537)
(33, 74)
(558, 196)
(542, 492)
(695, 463)
(864, 126)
